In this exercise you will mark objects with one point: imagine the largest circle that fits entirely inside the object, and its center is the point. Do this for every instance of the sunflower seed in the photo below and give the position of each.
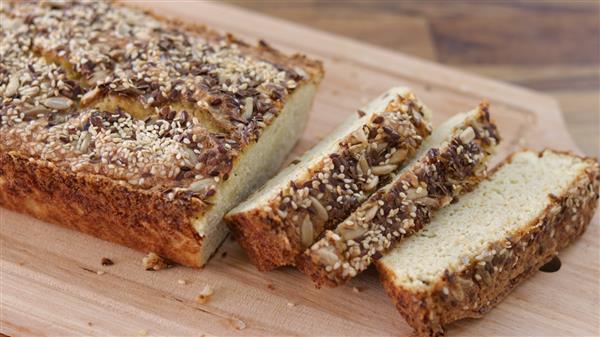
(353, 232)
(34, 112)
(300, 72)
(357, 149)
(98, 76)
(383, 169)
(319, 209)
(412, 179)
(360, 135)
(12, 87)
(200, 185)
(90, 96)
(307, 232)
(430, 202)
(398, 156)
(84, 141)
(381, 146)
(457, 293)
(416, 193)
(29, 91)
(371, 183)
(58, 103)
(467, 135)
(371, 213)
(364, 165)
(248, 108)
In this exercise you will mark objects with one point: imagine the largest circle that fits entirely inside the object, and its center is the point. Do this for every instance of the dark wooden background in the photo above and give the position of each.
(549, 46)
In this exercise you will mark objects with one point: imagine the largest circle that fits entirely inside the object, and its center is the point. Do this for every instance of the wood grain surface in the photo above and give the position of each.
(52, 281)
(549, 46)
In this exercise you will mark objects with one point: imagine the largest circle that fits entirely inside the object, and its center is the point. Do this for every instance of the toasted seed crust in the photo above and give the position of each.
(275, 233)
(468, 294)
(405, 205)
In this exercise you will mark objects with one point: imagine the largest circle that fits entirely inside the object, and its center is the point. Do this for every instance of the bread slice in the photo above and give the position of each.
(451, 161)
(329, 181)
(140, 130)
(475, 251)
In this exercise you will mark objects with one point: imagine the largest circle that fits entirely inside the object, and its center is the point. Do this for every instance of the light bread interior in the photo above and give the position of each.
(517, 193)
(257, 164)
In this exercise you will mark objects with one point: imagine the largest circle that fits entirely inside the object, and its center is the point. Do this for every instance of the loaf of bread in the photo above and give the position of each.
(475, 251)
(137, 129)
(327, 183)
(451, 161)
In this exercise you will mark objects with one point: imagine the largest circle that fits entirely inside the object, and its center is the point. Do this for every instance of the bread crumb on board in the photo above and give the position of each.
(181, 281)
(106, 261)
(205, 294)
(358, 289)
(237, 323)
(153, 262)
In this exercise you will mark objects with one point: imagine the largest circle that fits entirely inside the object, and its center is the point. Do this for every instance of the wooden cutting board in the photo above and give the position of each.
(49, 283)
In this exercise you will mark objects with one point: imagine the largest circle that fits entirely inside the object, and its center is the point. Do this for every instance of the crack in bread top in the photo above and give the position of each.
(109, 90)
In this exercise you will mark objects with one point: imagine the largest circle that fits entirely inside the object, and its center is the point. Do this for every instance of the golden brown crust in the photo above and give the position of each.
(98, 206)
(477, 289)
(267, 249)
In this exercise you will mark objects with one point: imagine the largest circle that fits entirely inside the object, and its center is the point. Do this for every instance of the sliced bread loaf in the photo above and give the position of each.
(451, 161)
(329, 181)
(137, 129)
(475, 251)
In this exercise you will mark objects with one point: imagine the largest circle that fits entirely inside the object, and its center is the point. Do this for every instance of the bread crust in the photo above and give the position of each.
(99, 206)
(271, 231)
(263, 239)
(385, 218)
(475, 290)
